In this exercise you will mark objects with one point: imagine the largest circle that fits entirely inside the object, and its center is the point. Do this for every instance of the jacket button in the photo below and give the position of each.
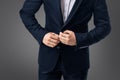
(58, 47)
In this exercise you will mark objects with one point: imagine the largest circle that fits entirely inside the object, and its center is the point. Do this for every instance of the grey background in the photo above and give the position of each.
(19, 50)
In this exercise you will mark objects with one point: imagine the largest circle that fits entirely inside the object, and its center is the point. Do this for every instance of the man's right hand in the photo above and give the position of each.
(51, 39)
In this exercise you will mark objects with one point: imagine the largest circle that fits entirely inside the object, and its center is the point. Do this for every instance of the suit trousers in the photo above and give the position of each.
(59, 71)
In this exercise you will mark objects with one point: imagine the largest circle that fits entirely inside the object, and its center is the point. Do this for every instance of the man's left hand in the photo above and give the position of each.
(67, 37)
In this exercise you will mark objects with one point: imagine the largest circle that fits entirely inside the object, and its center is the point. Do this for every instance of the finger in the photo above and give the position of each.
(54, 36)
(67, 32)
(53, 41)
(64, 35)
(63, 39)
(51, 44)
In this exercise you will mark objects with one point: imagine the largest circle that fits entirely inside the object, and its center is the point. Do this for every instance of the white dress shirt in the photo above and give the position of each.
(66, 6)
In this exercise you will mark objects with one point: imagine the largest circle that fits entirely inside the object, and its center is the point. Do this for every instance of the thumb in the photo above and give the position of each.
(67, 32)
(54, 34)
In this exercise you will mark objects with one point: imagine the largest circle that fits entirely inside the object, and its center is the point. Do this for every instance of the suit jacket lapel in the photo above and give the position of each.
(74, 9)
(60, 11)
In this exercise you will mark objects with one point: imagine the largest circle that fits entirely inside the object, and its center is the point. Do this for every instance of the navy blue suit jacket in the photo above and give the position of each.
(75, 58)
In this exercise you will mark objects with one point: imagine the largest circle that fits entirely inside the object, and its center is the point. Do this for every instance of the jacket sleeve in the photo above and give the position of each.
(27, 14)
(102, 26)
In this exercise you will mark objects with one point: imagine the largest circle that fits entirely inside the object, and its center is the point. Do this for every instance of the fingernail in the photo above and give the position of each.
(60, 32)
(53, 33)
